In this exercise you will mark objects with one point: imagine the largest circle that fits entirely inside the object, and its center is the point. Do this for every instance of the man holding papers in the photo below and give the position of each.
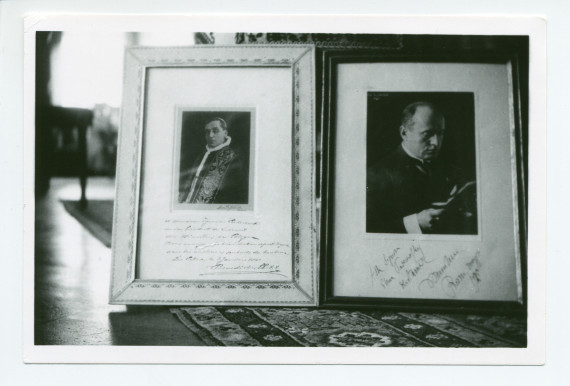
(411, 190)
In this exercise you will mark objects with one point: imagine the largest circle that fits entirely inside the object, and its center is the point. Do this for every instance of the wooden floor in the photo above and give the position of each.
(72, 271)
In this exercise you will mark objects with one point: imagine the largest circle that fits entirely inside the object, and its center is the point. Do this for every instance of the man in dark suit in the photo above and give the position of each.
(411, 190)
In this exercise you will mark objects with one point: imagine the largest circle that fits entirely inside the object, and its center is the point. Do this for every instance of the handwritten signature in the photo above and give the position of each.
(453, 272)
(451, 285)
(434, 277)
(229, 207)
(262, 268)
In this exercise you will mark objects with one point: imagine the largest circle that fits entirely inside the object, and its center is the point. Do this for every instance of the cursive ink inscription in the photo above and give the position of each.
(457, 270)
(415, 260)
(474, 266)
(452, 284)
(229, 207)
(376, 273)
(435, 276)
(390, 259)
(225, 247)
(406, 263)
(223, 269)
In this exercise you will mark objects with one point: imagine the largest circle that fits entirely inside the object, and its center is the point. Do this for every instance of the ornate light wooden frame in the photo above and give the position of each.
(125, 287)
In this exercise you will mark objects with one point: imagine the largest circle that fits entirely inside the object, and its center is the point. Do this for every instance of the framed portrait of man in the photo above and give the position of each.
(214, 154)
(421, 163)
(433, 212)
(210, 210)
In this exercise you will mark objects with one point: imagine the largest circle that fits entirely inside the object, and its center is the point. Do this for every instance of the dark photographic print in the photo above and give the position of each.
(214, 165)
(420, 158)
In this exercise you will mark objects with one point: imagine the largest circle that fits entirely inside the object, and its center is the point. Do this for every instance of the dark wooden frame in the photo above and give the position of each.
(517, 55)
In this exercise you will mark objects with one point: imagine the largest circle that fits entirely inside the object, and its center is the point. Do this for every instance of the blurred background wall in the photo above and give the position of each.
(79, 79)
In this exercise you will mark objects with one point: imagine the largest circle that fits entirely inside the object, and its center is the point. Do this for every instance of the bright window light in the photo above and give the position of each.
(87, 69)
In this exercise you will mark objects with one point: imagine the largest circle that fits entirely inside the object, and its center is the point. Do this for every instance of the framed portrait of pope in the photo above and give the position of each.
(214, 158)
(209, 209)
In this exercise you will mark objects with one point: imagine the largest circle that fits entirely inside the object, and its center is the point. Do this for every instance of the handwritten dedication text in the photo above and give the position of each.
(456, 271)
(225, 249)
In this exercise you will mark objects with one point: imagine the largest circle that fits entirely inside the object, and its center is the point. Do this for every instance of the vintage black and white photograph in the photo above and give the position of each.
(421, 164)
(214, 159)
(276, 191)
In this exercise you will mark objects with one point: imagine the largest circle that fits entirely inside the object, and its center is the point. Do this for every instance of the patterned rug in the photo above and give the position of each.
(301, 327)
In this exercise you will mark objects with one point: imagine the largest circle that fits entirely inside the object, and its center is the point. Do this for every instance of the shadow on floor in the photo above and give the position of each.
(149, 326)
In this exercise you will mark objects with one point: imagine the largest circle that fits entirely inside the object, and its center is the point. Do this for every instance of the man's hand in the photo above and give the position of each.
(429, 218)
